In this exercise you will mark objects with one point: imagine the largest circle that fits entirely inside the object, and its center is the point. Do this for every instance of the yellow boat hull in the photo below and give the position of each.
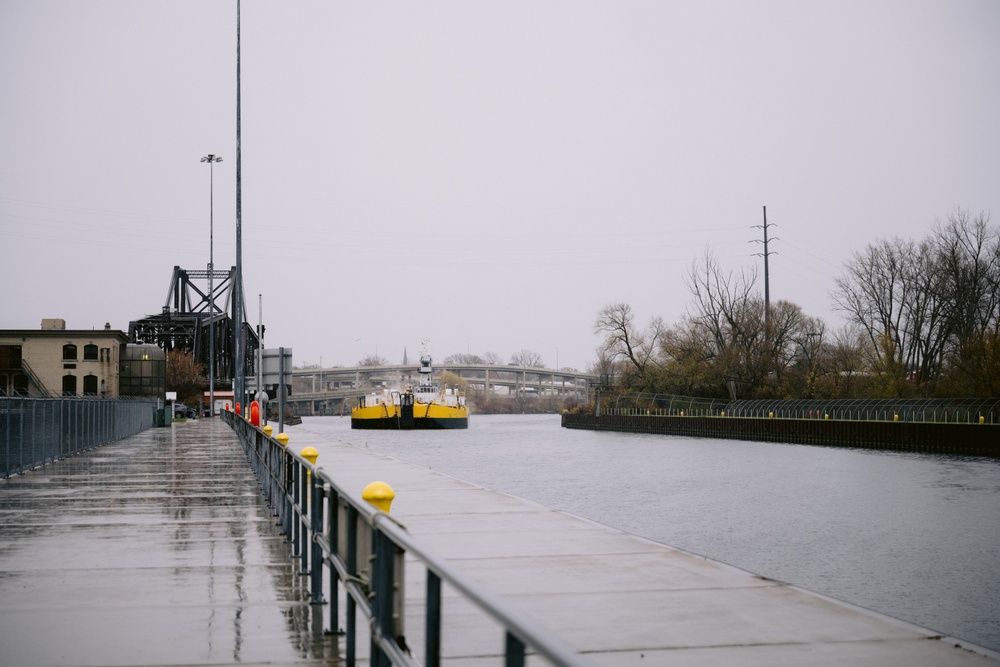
(424, 416)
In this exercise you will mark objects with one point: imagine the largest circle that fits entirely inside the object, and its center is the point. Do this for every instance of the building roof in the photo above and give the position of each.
(64, 333)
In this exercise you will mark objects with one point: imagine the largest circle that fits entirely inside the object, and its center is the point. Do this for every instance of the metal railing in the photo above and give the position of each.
(363, 550)
(36, 431)
(930, 410)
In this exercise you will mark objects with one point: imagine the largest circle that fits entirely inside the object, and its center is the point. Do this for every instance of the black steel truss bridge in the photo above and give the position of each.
(190, 314)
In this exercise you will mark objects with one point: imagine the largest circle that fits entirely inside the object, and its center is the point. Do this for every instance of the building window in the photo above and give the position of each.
(69, 352)
(90, 385)
(90, 352)
(10, 357)
(69, 385)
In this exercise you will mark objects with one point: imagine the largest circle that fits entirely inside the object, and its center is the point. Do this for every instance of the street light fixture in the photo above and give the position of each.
(211, 160)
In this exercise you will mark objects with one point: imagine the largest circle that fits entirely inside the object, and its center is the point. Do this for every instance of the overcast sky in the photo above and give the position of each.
(487, 175)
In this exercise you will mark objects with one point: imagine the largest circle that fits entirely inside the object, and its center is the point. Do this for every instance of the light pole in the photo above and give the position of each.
(211, 160)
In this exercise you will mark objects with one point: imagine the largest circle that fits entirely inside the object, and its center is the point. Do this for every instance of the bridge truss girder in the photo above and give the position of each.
(187, 318)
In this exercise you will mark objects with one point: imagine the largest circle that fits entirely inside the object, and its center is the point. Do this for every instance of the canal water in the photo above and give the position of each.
(914, 536)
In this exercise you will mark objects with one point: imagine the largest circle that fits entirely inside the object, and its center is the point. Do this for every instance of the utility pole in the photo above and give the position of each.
(767, 278)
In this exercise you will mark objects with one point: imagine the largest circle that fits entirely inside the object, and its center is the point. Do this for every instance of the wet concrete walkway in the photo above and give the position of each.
(154, 550)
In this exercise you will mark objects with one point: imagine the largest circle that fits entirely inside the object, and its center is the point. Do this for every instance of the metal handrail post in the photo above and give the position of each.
(381, 586)
(305, 512)
(276, 490)
(296, 526)
(288, 472)
(333, 531)
(316, 557)
(352, 571)
(432, 634)
(513, 651)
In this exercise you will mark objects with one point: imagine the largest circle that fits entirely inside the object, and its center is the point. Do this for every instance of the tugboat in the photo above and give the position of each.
(422, 407)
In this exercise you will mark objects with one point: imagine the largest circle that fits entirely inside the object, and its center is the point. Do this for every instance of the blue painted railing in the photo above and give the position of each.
(362, 549)
(36, 431)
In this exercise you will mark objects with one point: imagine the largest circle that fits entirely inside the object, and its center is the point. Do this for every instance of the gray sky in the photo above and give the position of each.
(487, 175)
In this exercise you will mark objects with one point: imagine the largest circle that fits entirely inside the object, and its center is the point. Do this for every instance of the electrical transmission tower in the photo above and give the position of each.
(767, 278)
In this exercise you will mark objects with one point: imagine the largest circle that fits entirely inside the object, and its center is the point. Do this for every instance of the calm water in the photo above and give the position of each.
(910, 535)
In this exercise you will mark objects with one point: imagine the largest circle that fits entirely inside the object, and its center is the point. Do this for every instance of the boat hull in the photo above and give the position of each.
(417, 423)
(405, 418)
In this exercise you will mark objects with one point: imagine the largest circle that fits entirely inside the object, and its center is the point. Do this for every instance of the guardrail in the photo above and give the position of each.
(36, 431)
(955, 439)
(363, 549)
(931, 410)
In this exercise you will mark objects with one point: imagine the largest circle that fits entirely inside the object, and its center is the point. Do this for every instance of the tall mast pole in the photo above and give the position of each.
(238, 306)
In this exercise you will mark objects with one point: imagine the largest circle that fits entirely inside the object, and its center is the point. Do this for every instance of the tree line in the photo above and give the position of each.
(922, 320)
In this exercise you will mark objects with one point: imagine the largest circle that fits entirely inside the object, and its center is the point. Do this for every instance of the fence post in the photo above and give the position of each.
(316, 512)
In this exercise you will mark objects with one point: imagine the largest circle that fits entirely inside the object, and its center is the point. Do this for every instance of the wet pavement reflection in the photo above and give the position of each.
(157, 549)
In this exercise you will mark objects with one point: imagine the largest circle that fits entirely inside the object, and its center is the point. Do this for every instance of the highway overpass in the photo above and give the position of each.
(335, 390)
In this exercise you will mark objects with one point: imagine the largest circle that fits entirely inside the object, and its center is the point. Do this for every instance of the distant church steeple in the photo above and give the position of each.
(405, 362)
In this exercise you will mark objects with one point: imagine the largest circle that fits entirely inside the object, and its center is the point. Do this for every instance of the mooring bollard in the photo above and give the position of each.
(268, 430)
(282, 439)
(310, 454)
(379, 494)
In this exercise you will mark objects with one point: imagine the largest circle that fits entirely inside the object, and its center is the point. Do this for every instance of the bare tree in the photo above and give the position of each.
(463, 358)
(919, 302)
(623, 341)
(871, 293)
(373, 360)
(969, 255)
(492, 358)
(528, 358)
(729, 317)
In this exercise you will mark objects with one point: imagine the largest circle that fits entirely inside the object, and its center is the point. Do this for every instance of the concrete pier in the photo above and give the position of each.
(158, 550)
(616, 598)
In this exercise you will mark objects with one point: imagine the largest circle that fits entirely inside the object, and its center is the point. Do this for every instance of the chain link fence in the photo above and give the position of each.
(36, 431)
(929, 410)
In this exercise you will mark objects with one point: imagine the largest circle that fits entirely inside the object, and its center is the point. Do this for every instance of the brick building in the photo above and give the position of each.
(56, 361)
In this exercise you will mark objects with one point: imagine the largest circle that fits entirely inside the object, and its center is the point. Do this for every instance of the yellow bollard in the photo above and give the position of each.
(982, 419)
(268, 430)
(895, 418)
(723, 413)
(310, 454)
(282, 438)
(379, 494)
(770, 415)
(826, 416)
